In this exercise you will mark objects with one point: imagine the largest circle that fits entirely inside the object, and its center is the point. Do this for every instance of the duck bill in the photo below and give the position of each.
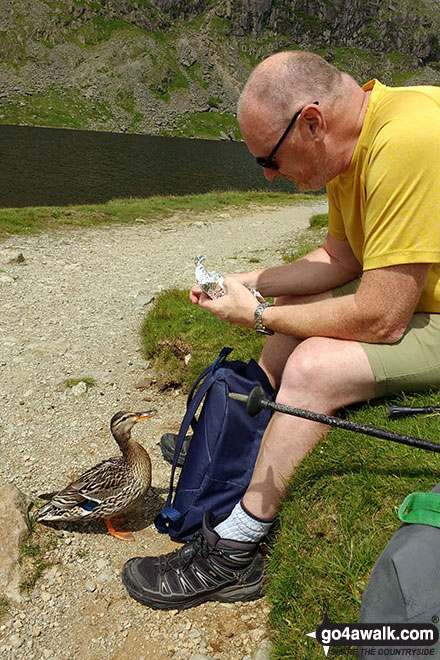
(145, 415)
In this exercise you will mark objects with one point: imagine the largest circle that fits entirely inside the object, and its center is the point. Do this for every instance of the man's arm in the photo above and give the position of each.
(378, 312)
(323, 269)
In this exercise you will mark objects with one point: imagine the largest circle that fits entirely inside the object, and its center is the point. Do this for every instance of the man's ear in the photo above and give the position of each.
(314, 122)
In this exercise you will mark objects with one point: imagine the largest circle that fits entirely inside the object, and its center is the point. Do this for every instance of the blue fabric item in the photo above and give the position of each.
(223, 450)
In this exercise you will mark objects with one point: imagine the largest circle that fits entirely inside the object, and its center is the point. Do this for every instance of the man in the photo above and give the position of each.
(356, 319)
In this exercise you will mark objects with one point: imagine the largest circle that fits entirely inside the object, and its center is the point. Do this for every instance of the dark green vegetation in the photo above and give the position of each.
(31, 219)
(341, 505)
(36, 555)
(176, 68)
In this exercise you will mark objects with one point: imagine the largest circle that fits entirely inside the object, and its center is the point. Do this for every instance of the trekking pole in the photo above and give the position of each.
(404, 411)
(255, 402)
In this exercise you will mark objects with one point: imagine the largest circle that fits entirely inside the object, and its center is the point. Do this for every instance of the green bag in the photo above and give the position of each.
(421, 508)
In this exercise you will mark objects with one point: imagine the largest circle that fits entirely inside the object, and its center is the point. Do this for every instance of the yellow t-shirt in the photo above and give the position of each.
(387, 203)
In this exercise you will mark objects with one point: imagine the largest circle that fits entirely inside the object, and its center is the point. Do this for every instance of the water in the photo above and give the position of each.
(45, 166)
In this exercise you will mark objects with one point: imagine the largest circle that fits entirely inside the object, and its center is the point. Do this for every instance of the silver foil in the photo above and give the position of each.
(212, 282)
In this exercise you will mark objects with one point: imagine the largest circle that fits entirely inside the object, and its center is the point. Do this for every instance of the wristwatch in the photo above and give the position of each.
(258, 319)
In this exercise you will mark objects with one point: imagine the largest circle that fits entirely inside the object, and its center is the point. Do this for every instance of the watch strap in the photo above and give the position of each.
(258, 319)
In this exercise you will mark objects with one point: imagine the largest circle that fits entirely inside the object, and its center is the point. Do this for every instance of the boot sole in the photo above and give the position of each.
(231, 594)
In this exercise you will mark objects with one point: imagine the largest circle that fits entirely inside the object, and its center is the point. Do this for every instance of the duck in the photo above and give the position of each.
(110, 488)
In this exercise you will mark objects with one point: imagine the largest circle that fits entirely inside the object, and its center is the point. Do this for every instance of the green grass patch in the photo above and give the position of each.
(304, 242)
(207, 125)
(36, 556)
(71, 382)
(339, 513)
(55, 108)
(149, 210)
(319, 221)
(175, 328)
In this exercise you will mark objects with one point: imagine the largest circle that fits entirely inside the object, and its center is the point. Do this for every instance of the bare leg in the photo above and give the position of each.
(321, 374)
(278, 348)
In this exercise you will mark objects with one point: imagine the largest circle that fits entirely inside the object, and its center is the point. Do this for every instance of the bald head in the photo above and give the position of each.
(284, 82)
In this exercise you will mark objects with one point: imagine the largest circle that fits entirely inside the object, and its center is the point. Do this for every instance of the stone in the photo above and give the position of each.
(263, 650)
(19, 259)
(79, 389)
(16, 641)
(13, 532)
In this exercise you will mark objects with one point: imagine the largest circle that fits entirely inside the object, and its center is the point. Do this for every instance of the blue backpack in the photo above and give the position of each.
(223, 450)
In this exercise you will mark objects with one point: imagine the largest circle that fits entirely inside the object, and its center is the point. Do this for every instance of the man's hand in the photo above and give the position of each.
(237, 306)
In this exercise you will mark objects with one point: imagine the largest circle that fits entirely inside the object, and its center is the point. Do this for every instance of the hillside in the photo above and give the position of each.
(176, 67)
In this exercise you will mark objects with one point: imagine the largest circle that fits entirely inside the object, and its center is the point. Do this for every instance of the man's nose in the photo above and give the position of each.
(270, 174)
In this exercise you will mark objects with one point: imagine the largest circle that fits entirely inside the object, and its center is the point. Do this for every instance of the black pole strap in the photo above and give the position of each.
(255, 402)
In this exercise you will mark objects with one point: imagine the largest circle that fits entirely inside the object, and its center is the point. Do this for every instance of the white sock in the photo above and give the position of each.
(242, 526)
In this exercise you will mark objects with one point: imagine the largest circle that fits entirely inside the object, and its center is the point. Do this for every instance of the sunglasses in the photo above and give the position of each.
(267, 161)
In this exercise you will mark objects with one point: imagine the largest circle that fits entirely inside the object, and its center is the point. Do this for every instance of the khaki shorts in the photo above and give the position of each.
(410, 365)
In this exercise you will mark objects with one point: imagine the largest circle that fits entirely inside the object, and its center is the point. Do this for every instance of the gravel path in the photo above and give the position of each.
(72, 309)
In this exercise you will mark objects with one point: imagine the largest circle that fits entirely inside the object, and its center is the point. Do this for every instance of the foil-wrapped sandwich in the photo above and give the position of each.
(212, 282)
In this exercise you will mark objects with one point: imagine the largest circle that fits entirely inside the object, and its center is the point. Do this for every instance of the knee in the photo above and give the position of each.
(307, 375)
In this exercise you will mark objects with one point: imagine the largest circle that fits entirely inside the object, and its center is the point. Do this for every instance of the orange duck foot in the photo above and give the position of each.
(115, 528)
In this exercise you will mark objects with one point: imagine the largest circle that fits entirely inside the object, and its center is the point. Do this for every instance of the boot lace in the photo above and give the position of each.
(198, 544)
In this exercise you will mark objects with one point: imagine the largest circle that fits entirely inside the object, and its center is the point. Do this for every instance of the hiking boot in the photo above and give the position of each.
(206, 568)
(168, 444)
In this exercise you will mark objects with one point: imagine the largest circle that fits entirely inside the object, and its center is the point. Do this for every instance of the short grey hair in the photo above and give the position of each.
(286, 81)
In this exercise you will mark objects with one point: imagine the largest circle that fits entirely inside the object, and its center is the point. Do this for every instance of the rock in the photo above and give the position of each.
(13, 532)
(79, 389)
(143, 299)
(19, 259)
(16, 641)
(6, 279)
(263, 650)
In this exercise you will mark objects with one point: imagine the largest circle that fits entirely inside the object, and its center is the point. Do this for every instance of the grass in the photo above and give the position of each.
(71, 382)
(206, 125)
(149, 210)
(35, 556)
(319, 221)
(55, 108)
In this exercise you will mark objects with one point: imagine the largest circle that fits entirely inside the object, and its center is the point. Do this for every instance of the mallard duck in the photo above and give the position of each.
(109, 488)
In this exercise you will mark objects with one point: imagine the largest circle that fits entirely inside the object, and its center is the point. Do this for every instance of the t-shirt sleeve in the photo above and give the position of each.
(335, 221)
(402, 218)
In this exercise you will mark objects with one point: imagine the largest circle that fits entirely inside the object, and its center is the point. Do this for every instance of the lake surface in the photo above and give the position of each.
(51, 167)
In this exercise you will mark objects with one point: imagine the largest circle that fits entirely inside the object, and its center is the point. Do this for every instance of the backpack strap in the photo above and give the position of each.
(421, 508)
(211, 369)
(169, 513)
